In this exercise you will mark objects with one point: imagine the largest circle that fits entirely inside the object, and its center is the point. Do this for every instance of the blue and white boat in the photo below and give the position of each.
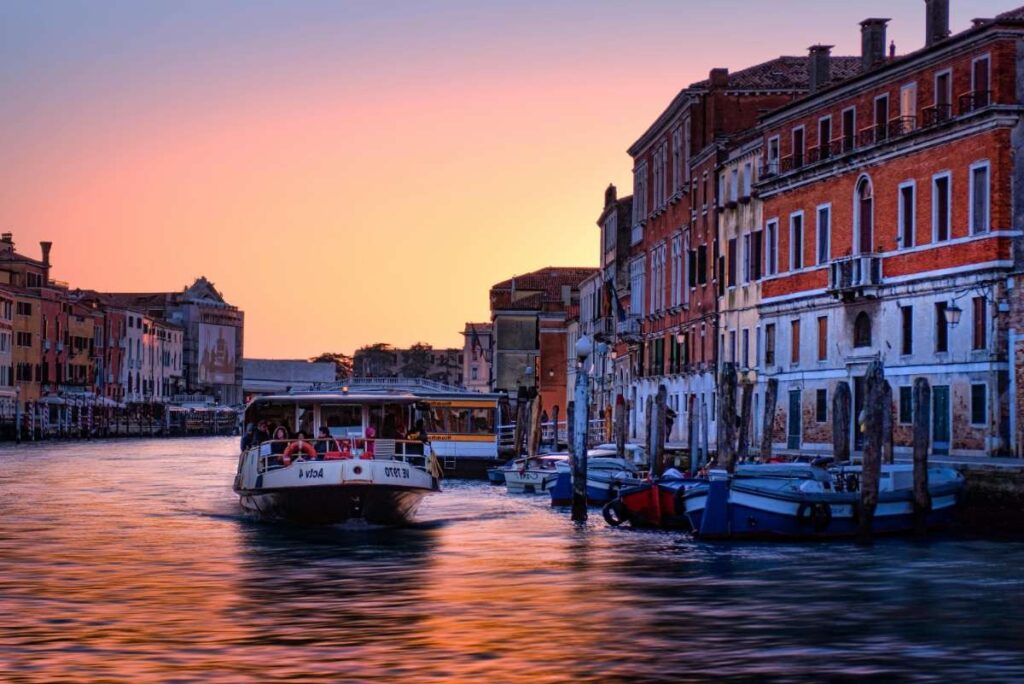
(807, 501)
(607, 474)
(496, 475)
(533, 475)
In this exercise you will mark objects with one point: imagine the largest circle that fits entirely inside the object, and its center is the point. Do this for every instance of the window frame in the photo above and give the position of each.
(821, 402)
(802, 130)
(948, 176)
(987, 165)
(794, 342)
(984, 404)
(906, 331)
(900, 217)
(985, 57)
(827, 208)
(853, 128)
(792, 242)
(825, 144)
(948, 73)
(771, 252)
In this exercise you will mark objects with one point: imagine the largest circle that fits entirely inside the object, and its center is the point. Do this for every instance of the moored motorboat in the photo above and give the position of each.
(656, 503)
(347, 473)
(607, 474)
(533, 475)
(819, 503)
(496, 475)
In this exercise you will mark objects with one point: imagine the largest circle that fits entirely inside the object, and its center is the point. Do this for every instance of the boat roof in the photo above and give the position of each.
(384, 397)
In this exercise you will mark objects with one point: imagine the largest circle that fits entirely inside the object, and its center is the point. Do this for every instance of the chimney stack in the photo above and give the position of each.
(45, 246)
(819, 66)
(610, 195)
(872, 42)
(936, 23)
(719, 78)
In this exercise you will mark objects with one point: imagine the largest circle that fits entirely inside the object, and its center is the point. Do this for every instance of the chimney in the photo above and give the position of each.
(936, 22)
(819, 66)
(45, 247)
(610, 195)
(719, 78)
(872, 42)
(7, 238)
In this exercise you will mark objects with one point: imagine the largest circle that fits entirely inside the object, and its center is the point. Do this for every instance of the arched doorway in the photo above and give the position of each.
(864, 215)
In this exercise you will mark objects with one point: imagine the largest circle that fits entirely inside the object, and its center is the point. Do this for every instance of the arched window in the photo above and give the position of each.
(862, 330)
(864, 214)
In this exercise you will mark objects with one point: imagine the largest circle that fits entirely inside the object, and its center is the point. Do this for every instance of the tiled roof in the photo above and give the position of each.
(785, 73)
(548, 280)
(1012, 15)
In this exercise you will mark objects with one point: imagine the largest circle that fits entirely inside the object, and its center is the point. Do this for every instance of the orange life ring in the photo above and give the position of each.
(308, 449)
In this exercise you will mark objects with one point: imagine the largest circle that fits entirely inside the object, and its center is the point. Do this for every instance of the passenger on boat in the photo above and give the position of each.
(262, 432)
(325, 444)
(280, 438)
(417, 433)
(371, 434)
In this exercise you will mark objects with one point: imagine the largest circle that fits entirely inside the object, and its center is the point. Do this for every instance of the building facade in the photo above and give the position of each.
(529, 317)
(892, 226)
(477, 352)
(677, 267)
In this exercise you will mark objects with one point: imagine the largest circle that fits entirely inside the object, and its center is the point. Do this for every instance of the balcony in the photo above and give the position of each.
(878, 134)
(855, 277)
(629, 327)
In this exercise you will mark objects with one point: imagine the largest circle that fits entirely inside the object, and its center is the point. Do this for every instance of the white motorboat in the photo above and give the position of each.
(357, 468)
(533, 475)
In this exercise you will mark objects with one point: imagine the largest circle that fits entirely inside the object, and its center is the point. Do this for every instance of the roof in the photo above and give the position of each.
(549, 280)
(784, 73)
(1012, 15)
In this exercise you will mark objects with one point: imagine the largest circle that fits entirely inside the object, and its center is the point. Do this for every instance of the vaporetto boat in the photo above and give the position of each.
(356, 468)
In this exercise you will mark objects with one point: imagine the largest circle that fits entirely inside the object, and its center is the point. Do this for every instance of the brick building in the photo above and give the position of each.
(892, 220)
(529, 317)
(675, 265)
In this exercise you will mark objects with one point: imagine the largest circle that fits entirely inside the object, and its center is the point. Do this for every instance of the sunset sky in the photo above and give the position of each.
(354, 172)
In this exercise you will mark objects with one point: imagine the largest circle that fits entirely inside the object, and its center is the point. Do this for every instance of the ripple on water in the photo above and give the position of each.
(131, 561)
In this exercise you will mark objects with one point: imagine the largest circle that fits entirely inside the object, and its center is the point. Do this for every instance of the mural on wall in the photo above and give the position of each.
(216, 354)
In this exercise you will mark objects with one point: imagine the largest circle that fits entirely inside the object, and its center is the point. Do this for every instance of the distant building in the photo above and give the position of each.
(529, 315)
(212, 344)
(271, 376)
(476, 357)
(418, 361)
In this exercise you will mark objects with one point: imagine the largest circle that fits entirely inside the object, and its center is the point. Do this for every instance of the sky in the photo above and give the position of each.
(352, 172)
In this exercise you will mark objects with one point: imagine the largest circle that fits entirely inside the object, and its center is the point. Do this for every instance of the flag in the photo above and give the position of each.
(620, 312)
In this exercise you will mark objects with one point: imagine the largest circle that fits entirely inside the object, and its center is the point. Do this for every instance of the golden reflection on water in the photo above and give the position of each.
(129, 561)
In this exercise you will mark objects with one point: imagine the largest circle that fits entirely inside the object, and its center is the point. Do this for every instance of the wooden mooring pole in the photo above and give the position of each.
(620, 426)
(771, 396)
(533, 446)
(871, 469)
(841, 422)
(727, 417)
(554, 427)
(658, 431)
(922, 398)
(888, 455)
(746, 404)
(581, 403)
(570, 426)
(648, 442)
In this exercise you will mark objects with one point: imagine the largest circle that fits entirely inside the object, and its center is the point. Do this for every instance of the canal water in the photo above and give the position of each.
(130, 561)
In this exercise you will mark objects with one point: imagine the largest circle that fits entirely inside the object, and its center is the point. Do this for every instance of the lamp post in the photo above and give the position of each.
(581, 402)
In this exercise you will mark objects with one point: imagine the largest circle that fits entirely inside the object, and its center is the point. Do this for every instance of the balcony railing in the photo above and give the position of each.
(974, 101)
(628, 327)
(854, 275)
(878, 133)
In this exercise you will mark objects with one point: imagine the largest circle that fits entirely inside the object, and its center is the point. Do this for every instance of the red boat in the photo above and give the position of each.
(654, 504)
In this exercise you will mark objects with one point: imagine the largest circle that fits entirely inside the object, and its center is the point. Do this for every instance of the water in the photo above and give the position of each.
(130, 561)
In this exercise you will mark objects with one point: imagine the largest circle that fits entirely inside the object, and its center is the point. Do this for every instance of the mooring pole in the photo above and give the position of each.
(705, 433)
(871, 468)
(922, 398)
(887, 424)
(727, 417)
(658, 433)
(581, 403)
(746, 404)
(841, 422)
(554, 427)
(17, 415)
(648, 441)
(570, 425)
(771, 396)
(535, 427)
(620, 426)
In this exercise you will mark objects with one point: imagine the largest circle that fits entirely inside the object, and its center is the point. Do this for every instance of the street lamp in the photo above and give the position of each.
(584, 347)
(953, 314)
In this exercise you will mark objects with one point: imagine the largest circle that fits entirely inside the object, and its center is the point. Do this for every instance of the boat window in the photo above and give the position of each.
(275, 415)
(388, 420)
(463, 421)
(305, 420)
(343, 420)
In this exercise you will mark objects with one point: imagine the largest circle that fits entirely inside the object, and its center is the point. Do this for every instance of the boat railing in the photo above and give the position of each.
(279, 453)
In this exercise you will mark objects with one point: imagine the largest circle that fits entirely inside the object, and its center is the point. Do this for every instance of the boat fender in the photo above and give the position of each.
(305, 447)
(818, 514)
(615, 512)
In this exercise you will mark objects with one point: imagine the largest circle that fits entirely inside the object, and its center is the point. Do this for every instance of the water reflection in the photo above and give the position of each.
(131, 561)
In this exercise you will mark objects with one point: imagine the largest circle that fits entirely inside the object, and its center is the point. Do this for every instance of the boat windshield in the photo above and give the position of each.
(343, 420)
